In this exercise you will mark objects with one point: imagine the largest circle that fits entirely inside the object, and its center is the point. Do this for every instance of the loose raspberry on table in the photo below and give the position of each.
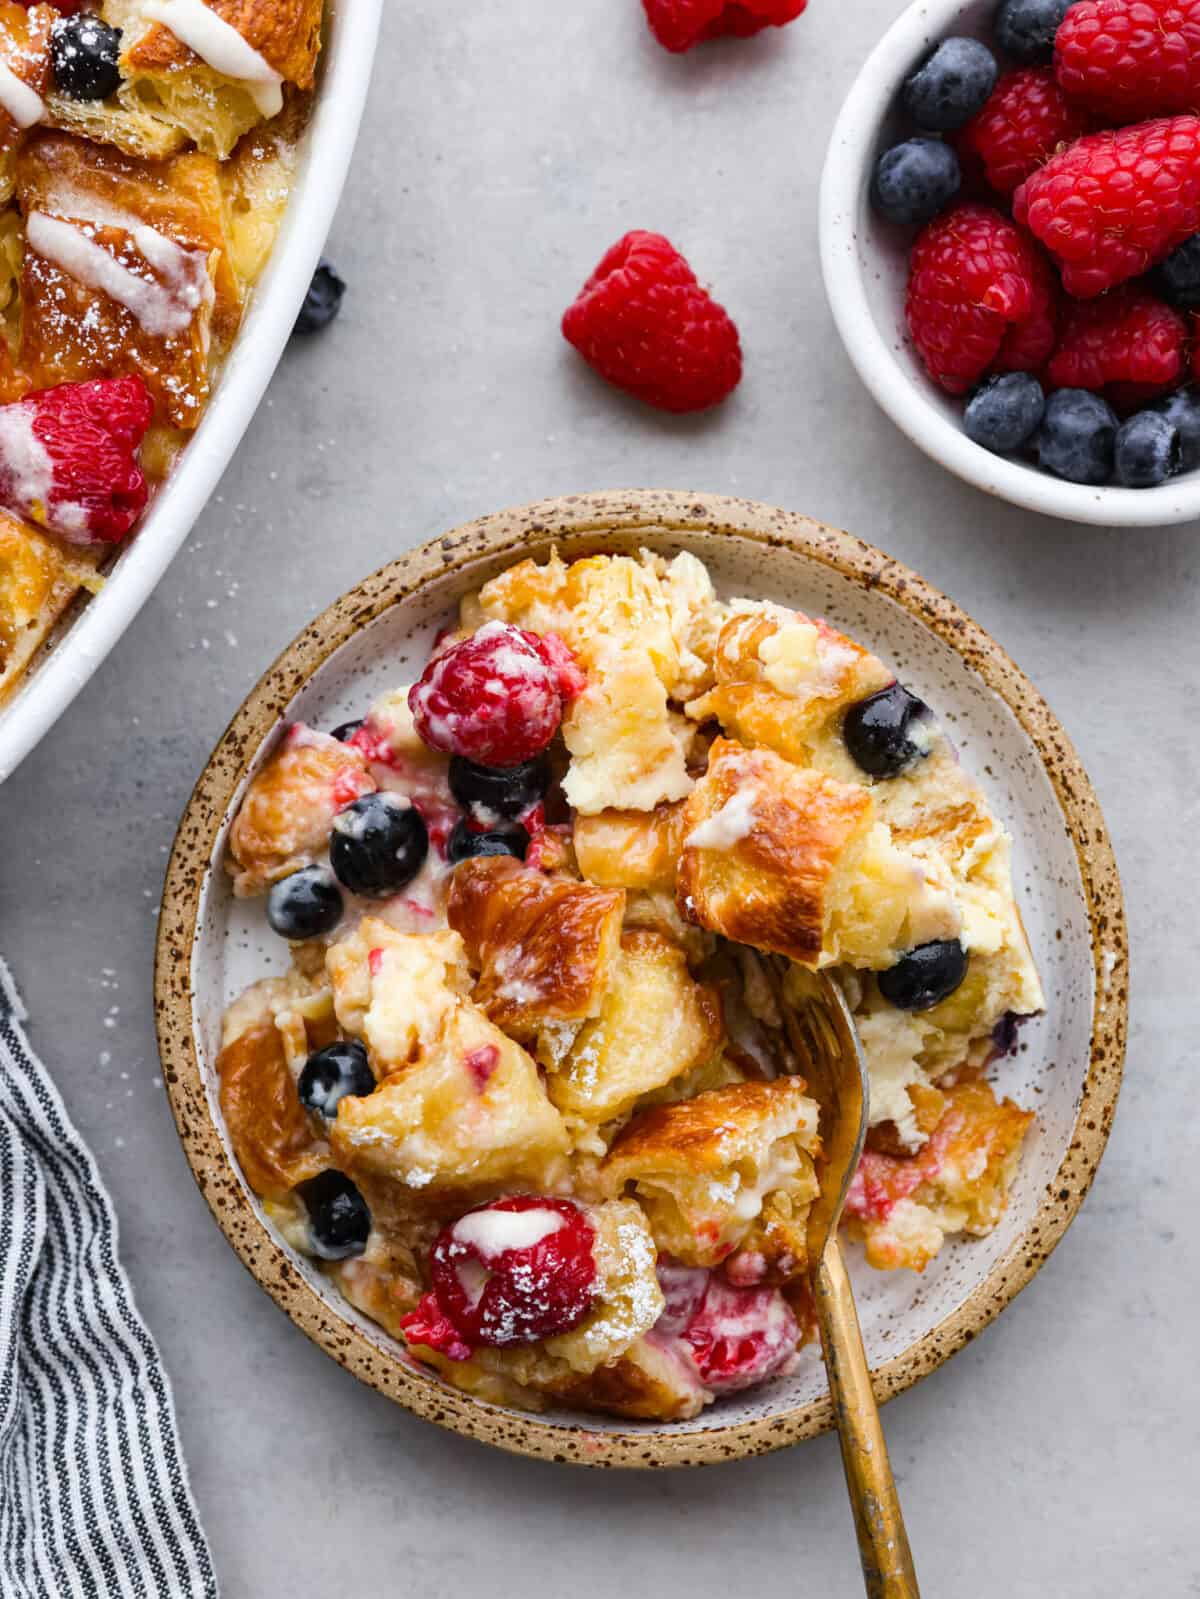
(973, 281)
(679, 24)
(67, 458)
(1113, 204)
(644, 323)
(1127, 344)
(1131, 59)
(1026, 120)
(497, 698)
(513, 1272)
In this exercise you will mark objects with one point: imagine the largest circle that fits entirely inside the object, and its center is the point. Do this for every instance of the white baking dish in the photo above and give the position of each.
(54, 681)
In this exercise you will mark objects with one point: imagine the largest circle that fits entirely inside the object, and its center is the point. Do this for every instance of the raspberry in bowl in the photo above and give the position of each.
(1004, 326)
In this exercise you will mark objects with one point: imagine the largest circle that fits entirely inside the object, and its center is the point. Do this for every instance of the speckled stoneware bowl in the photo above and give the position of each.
(1068, 1067)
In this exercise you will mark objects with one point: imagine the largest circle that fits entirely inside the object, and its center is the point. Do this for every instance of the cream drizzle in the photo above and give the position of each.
(221, 47)
(23, 104)
(162, 310)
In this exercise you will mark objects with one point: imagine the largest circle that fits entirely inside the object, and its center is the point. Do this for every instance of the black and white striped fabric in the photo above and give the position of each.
(94, 1496)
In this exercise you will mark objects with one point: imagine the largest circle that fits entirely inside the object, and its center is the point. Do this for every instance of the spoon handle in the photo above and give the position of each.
(882, 1541)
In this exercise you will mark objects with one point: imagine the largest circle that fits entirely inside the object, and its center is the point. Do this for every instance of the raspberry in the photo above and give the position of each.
(1025, 121)
(1027, 345)
(679, 24)
(1127, 344)
(1112, 204)
(735, 1336)
(496, 698)
(974, 283)
(644, 323)
(67, 458)
(512, 1272)
(1131, 59)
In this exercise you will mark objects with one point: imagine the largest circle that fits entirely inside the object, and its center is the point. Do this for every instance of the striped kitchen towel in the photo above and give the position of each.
(94, 1496)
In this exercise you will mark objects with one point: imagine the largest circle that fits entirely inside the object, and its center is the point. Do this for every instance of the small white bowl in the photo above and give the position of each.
(55, 680)
(864, 261)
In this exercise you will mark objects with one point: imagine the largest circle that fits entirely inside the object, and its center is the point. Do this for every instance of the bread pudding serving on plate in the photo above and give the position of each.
(147, 151)
(524, 1090)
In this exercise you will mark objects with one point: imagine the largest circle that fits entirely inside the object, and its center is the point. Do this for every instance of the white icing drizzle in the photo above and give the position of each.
(727, 826)
(161, 309)
(23, 104)
(493, 1231)
(222, 47)
(25, 465)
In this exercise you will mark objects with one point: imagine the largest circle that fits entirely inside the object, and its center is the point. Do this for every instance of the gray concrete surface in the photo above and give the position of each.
(505, 147)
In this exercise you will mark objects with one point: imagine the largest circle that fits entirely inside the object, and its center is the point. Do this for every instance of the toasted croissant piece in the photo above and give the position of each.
(904, 1207)
(631, 849)
(784, 681)
(286, 817)
(271, 1135)
(655, 1023)
(38, 580)
(544, 947)
(166, 82)
(157, 231)
(460, 1107)
(729, 1170)
(788, 860)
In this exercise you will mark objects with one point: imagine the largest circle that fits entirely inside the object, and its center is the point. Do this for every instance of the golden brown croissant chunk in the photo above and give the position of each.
(268, 1128)
(729, 1170)
(287, 814)
(655, 1023)
(783, 681)
(788, 860)
(25, 53)
(125, 270)
(460, 1106)
(544, 947)
(630, 849)
(38, 580)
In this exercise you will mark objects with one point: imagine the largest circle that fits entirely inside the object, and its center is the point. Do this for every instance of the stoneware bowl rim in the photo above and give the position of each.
(513, 531)
(907, 397)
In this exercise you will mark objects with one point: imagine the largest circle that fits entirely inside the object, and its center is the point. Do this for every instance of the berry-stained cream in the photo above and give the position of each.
(220, 46)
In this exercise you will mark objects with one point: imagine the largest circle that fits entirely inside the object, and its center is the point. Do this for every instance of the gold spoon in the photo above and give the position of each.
(822, 1035)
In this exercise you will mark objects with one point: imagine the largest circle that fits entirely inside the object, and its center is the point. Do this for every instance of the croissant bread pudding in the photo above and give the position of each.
(146, 154)
(523, 1092)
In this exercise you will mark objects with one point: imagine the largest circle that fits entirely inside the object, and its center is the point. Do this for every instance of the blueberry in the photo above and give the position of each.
(1004, 412)
(506, 790)
(510, 840)
(1177, 278)
(1025, 29)
(378, 844)
(951, 85)
(884, 733)
(323, 300)
(333, 1072)
(1183, 408)
(1075, 440)
(914, 180)
(1147, 450)
(84, 55)
(305, 905)
(925, 976)
(339, 1220)
(345, 731)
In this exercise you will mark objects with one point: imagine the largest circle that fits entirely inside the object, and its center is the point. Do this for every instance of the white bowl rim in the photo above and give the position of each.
(330, 138)
(844, 180)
